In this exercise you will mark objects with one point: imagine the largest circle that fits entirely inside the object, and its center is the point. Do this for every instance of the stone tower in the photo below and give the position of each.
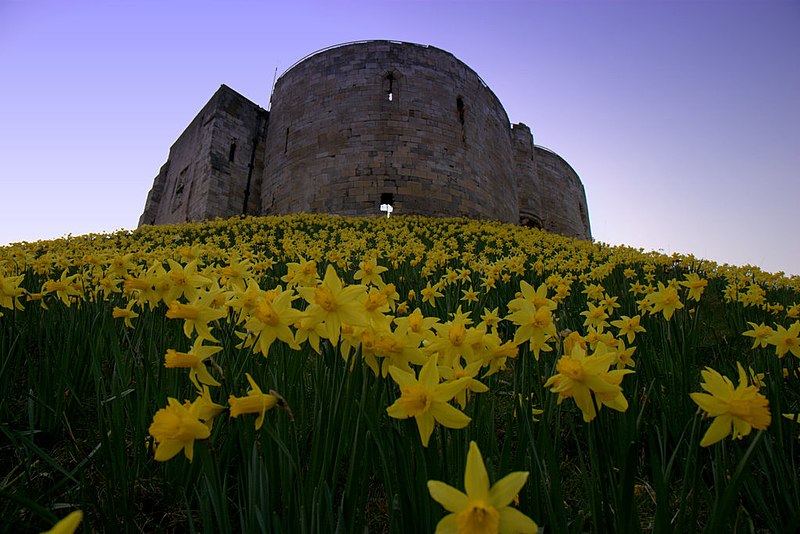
(362, 124)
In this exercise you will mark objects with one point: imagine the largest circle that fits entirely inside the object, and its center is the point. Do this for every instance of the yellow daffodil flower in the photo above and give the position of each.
(786, 340)
(331, 304)
(256, 401)
(735, 410)
(194, 360)
(176, 428)
(587, 380)
(483, 508)
(426, 400)
(760, 334)
(628, 326)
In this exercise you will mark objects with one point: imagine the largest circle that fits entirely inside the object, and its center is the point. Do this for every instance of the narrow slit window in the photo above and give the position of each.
(389, 86)
(286, 142)
(232, 152)
(460, 111)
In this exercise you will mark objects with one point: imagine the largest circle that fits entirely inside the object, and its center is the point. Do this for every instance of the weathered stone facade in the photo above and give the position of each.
(364, 124)
(214, 167)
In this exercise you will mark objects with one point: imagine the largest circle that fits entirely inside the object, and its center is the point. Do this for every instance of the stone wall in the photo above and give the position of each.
(529, 184)
(562, 196)
(207, 172)
(407, 123)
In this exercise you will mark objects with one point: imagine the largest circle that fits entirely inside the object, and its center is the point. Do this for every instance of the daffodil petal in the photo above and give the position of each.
(709, 404)
(429, 374)
(402, 378)
(167, 449)
(425, 424)
(449, 497)
(512, 521)
(476, 480)
(505, 489)
(445, 392)
(447, 525)
(397, 410)
(68, 525)
(718, 430)
(448, 415)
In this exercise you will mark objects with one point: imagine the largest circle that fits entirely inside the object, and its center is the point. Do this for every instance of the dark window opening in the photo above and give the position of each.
(460, 111)
(389, 87)
(387, 199)
(286, 142)
(530, 222)
(232, 152)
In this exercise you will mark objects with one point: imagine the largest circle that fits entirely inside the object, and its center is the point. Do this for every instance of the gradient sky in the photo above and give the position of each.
(681, 117)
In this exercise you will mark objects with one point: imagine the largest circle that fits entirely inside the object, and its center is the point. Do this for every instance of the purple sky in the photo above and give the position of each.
(681, 117)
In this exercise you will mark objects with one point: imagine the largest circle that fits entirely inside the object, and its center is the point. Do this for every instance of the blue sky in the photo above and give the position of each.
(681, 117)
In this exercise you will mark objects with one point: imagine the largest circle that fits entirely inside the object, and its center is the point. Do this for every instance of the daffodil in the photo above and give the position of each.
(196, 316)
(332, 303)
(430, 294)
(595, 316)
(483, 508)
(126, 314)
(302, 273)
(473, 385)
(537, 297)
(760, 334)
(735, 410)
(496, 352)
(194, 360)
(369, 272)
(695, 284)
(376, 309)
(426, 400)
(587, 380)
(628, 326)
(205, 407)
(398, 348)
(535, 325)
(256, 401)
(66, 288)
(185, 281)
(270, 320)
(454, 339)
(665, 300)
(176, 428)
(10, 292)
(786, 340)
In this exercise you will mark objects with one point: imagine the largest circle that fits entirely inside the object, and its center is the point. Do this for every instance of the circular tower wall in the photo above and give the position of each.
(563, 199)
(364, 124)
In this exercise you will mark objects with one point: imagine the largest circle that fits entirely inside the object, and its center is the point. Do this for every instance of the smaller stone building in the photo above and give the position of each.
(360, 125)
